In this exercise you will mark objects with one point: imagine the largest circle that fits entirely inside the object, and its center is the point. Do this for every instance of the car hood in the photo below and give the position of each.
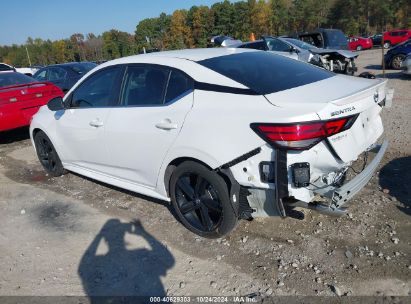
(347, 54)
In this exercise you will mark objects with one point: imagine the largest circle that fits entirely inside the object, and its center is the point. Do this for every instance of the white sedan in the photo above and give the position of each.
(224, 134)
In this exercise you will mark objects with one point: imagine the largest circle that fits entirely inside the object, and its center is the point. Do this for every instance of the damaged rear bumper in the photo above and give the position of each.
(339, 196)
(277, 201)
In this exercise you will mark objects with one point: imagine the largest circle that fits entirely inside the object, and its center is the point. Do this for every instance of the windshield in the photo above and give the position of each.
(264, 72)
(83, 68)
(300, 44)
(10, 79)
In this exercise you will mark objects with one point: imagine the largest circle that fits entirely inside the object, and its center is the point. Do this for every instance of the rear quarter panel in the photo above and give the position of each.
(217, 129)
(219, 124)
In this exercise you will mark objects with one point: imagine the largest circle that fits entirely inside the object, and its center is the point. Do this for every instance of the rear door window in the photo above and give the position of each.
(178, 86)
(144, 85)
(56, 74)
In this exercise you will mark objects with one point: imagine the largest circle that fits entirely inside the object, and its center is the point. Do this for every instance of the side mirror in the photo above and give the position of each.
(294, 50)
(56, 104)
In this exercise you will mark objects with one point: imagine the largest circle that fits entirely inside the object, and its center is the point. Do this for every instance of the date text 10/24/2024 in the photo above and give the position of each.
(203, 299)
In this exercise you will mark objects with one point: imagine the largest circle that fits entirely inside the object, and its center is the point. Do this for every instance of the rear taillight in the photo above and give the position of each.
(301, 135)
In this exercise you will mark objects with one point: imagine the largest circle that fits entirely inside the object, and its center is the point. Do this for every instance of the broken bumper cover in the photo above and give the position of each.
(340, 196)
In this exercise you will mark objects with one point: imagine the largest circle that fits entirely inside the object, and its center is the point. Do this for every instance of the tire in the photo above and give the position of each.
(47, 155)
(396, 61)
(201, 200)
(387, 45)
(359, 48)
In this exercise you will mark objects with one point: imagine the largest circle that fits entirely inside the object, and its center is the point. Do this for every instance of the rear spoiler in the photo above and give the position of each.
(25, 85)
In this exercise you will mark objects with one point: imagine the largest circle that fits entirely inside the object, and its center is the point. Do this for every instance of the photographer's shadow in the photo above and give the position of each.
(119, 271)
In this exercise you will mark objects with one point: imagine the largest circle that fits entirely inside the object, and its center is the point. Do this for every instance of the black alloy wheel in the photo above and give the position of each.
(198, 202)
(201, 201)
(47, 155)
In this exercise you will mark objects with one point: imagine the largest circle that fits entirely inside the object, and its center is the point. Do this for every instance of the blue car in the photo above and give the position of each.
(396, 55)
(64, 75)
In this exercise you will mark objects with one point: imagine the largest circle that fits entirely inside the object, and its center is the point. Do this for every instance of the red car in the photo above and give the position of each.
(359, 43)
(20, 98)
(396, 36)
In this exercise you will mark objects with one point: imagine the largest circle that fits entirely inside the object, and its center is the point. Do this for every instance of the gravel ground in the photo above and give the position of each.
(74, 236)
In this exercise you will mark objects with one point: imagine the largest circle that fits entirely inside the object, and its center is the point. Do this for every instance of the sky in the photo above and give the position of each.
(57, 19)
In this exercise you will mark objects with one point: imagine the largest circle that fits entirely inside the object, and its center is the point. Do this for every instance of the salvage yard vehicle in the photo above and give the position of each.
(338, 61)
(27, 71)
(6, 67)
(396, 55)
(395, 37)
(223, 133)
(325, 38)
(276, 46)
(64, 75)
(376, 39)
(20, 98)
(359, 43)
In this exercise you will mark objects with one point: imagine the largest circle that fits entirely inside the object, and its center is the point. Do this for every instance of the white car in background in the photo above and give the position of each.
(27, 71)
(4, 67)
(222, 133)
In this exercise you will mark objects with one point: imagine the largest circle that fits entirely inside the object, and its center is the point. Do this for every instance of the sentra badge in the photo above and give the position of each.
(342, 111)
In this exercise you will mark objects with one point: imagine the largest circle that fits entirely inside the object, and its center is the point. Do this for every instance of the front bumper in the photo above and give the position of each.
(339, 196)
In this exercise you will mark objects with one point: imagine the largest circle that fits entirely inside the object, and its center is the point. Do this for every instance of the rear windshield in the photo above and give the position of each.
(10, 79)
(264, 72)
(83, 68)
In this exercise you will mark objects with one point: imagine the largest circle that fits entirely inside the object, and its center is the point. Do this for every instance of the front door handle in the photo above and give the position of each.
(166, 124)
(96, 123)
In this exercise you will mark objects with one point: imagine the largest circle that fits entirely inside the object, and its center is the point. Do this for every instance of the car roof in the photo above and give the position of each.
(189, 54)
(67, 64)
(398, 30)
(184, 60)
(252, 42)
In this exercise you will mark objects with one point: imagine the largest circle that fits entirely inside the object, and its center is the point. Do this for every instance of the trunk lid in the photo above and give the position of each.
(32, 92)
(338, 97)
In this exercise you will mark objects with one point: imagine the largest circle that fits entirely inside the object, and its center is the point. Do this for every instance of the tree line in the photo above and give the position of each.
(194, 28)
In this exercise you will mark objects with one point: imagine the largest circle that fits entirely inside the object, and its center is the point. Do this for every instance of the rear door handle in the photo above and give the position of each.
(166, 124)
(96, 123)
